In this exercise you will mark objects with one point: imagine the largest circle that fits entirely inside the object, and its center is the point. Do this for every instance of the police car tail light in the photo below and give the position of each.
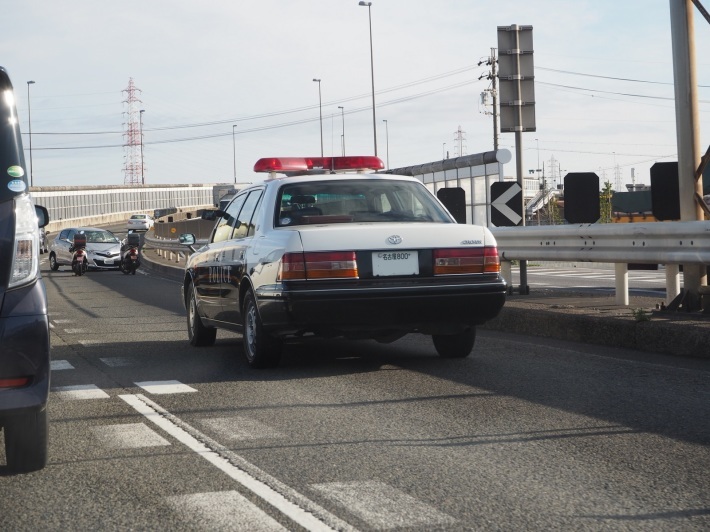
(491, 260)
(304, 164)
(457, 261)
(318, 265)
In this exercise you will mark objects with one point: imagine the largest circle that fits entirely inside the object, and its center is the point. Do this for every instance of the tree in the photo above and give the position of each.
(605, 203)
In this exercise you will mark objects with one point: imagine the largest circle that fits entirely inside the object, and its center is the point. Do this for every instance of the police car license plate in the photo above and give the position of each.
(395, 263)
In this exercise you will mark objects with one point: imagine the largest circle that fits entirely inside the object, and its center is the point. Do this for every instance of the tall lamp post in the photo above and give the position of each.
(387, 136)
(140, 114)
(234, 150)
(342, 115)
(320, 114)
(29, 121)
(372, 73)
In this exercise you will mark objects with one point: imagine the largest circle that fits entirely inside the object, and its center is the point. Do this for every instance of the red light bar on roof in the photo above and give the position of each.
(303, 164)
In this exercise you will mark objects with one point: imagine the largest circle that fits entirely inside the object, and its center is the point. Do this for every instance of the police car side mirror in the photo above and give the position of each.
(187, 239)
(212, 215)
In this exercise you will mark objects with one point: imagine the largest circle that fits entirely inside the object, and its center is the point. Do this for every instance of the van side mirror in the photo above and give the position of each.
(42, 215)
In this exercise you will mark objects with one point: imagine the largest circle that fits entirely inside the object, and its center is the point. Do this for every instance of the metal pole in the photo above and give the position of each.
(140, 115)
(234, 151)
(320, 114)
(524, 289)
(342, 116)
(494, 65)
(372, 74)
(29, 122)
(387, 136)
(687, 130)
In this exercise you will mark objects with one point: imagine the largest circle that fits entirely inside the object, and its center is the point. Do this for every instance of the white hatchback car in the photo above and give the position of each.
(326, 253)
(139, 222)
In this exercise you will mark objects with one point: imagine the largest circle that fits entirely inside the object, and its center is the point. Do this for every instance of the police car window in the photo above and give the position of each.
(245, 221)
(223, 229)
(357, 200)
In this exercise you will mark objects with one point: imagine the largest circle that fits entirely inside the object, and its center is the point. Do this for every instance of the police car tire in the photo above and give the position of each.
(260, 349)
(455, 345)
(26, 439)
(197, 332)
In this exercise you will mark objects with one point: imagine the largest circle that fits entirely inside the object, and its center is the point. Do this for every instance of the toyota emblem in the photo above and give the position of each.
(394, 239)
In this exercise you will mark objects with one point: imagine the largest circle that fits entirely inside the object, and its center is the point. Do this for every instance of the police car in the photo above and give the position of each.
(324, 246)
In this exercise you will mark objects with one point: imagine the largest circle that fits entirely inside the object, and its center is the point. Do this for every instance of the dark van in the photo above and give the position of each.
(24, 325)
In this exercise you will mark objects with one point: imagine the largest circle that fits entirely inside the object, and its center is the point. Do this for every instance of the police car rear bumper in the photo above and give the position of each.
(427, 307)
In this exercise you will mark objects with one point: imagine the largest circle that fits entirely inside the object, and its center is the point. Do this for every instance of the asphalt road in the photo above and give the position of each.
(525, 434)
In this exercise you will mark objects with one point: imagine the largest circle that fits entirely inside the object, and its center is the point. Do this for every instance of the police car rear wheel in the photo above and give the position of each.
(455, 345)
(261, 350)
(198, 334)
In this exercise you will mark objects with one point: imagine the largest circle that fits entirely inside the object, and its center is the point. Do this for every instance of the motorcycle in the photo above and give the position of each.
(79, 263)
(130, 260)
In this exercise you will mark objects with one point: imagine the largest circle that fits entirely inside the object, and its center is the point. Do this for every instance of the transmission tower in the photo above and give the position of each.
(133, 169)
(459, 139)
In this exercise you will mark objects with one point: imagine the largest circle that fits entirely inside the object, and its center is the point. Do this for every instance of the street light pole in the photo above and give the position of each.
(29, 121)
(234, 149)
(320, 114)
(387, 136)
(140, 115)
(342, 115)
(372, 73)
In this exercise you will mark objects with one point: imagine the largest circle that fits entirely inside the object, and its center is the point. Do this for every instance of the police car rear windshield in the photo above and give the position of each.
(354, 201)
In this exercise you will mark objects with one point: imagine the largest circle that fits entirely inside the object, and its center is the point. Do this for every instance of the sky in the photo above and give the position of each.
(223, 83)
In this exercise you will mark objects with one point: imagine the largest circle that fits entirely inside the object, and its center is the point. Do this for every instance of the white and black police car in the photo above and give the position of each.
(325, 246)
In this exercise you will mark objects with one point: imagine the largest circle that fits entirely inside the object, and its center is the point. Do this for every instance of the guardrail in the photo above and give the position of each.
(669, 243)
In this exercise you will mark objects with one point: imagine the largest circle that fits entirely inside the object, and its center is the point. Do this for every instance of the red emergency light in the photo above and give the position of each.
(304, 164)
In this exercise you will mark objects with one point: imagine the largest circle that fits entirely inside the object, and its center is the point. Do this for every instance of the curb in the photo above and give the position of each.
(673, 334)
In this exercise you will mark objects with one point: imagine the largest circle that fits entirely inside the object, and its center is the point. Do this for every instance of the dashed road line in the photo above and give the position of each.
(286, 500)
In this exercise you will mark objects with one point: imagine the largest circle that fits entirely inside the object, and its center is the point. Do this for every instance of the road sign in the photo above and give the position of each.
(582, 198)
(665, 194)
(454, 199)
(516, 73)
(506, 204)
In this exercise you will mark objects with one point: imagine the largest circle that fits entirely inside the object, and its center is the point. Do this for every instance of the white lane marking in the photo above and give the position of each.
(75, 331)
(58, 365)
(80, 392)
(165, 387)
(286, 500)
(226, 510)
(116, 362)
(87, 343)
(61, 322)
(383, 506)
(238, 428)
(128, 436)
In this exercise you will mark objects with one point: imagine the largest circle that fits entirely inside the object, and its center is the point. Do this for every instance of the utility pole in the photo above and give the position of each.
(493, 91)
(687, 133)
